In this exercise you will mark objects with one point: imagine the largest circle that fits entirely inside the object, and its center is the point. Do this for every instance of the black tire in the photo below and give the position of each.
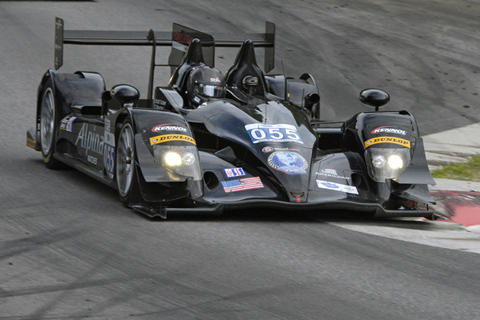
(48, 126)
(125, 173)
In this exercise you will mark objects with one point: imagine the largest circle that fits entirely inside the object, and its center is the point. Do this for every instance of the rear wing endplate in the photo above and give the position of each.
(179, 39)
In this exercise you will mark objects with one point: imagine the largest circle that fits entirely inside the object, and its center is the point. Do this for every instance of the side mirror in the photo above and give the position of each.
(374, 98)
(125, 93)
(312, 101)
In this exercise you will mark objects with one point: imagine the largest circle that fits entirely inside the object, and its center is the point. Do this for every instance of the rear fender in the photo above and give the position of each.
(302, 92)
(79, 88)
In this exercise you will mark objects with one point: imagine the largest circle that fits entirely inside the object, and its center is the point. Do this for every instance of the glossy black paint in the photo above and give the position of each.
(374, 97)
(269, 134)
(125, 93)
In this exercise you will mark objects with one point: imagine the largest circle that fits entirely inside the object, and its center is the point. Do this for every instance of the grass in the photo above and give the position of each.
(468, 171)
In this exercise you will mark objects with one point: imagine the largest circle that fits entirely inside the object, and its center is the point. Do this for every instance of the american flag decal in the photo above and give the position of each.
(242, 184)
(234, 172)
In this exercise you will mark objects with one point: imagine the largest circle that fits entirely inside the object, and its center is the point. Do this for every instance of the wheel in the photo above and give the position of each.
(125, 162)
(48, 122)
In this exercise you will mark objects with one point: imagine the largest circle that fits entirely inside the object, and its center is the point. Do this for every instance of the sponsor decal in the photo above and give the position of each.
(271, 149)
(331, 173)
(70, 124)
(90, 140)
(273, 132)
(328, 171)
(394, 140)
(171, 137)
(108, 125)
(215, 80)
(389, 129)
(242, 184)
(92, 160)
(109, 154)
(66, 123)
(288, 162)
(234, 172)
(168, 127)
(336, 187)
(160, 103)
(181, 37)
(63, 123)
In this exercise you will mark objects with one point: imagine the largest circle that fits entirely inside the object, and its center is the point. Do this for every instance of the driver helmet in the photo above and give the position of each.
(205, 84)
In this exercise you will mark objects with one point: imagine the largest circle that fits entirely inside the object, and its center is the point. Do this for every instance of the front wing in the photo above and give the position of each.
(228, 186)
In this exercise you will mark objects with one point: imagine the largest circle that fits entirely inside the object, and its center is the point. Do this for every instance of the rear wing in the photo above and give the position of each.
(179, 39)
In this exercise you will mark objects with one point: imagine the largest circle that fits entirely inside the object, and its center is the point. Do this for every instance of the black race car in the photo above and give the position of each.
(206, 143)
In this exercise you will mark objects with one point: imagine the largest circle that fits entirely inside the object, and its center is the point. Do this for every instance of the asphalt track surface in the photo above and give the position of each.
(69, 250)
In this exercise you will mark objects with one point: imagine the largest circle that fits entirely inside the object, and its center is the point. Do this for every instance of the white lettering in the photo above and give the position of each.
(90, 140)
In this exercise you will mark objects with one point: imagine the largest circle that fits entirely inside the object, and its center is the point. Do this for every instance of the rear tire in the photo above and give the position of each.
(48, 121)
(125, 162)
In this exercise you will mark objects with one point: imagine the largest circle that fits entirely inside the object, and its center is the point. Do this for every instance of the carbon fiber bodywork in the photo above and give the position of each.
(258, 148)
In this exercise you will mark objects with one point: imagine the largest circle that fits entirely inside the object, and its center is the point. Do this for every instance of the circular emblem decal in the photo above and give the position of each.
(288, 162)
(267, 149)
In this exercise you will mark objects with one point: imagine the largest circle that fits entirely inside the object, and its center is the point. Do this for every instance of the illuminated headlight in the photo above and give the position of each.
(179, 162)
(172, 159)
(385, 164)
(395, 162)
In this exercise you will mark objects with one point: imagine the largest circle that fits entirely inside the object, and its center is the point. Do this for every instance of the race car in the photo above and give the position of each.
(206, 143)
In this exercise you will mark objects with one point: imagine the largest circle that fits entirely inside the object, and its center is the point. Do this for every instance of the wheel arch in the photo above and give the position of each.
(49, 75)
(67, 90)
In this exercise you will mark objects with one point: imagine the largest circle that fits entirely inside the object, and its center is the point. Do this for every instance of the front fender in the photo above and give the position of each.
(391, 130)
(169, 128)
(157, 130)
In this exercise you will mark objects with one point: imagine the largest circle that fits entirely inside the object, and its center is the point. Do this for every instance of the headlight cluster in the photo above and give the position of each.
(386, 163)
(181, 161)
(175, 159)
(393, 162)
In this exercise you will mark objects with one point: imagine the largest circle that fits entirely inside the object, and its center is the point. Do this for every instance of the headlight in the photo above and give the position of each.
(172, 159)
(181, 162)
(385, 164)
(378, 161)
(395, 162)
(188, 159)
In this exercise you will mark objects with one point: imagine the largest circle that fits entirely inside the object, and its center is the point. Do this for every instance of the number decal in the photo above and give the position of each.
(258, 134)
(273, 132)
(109, 154)
(292, 134)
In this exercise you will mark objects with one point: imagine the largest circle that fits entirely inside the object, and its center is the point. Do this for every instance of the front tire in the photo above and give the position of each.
(48, 116)
(125, 162)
